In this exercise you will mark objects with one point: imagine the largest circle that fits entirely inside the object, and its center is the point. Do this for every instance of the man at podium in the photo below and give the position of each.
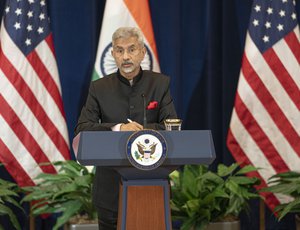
(131, 99)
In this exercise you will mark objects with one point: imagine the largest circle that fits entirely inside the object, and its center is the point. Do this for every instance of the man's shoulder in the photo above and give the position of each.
(155, 75)
(105, 80)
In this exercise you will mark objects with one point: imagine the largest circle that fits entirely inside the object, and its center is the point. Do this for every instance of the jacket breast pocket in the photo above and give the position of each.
(152, 115)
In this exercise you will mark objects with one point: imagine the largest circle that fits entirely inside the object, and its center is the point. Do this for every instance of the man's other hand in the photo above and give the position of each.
(132, 126)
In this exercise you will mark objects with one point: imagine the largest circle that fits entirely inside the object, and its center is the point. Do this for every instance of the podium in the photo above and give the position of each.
(145, 194)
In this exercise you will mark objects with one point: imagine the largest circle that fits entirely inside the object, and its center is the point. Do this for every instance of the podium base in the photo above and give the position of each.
(144, 204)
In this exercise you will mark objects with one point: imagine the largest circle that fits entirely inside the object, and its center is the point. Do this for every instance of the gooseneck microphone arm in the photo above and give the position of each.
(144, 110)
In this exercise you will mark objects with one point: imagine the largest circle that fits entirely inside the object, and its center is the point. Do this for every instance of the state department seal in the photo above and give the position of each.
(146, 149)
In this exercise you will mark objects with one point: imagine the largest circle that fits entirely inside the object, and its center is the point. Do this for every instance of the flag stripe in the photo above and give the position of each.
(13, 166)
(140, 11)
(15, 146)
(46, 79)
(261, 70)
(33, 104)
(49, 41)
(283, 76)
(27, 75)
(259, 136)
(294, 44)
(47, 57)
(32, 120)
(241, 141)
(245, 141)
(271, 105)
(265, 121)
(123, 13)
(288, 59)
(24, 136)
(240, 156)
(28, 119)
(261, 116)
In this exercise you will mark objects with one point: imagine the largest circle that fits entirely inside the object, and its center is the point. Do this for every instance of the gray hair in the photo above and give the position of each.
(128, 32)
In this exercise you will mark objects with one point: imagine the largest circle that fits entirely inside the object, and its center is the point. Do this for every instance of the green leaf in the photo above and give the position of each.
(290, 207)
(50, 178)
(246, 169)
(226, 171)
(189, 183)
(70, 209)
(6, 192)
(14, 202)
(84, 181)
(36, 195)
(66, 190)
(287, 189)
(288, 175)
(242, 180)
(13, 219)
(201, 195)
(233, 186)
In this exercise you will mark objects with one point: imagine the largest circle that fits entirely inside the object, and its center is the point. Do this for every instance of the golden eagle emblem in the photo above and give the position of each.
(146, 152)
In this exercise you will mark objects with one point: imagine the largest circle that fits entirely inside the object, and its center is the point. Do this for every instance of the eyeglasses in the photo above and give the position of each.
(132, 51)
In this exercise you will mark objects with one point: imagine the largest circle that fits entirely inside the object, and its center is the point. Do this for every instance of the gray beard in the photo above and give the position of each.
(128, 70)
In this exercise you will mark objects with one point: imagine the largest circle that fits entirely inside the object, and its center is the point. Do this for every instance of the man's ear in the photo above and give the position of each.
(144, 51)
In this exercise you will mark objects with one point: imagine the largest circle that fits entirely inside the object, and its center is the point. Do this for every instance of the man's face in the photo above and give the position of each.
(128, 55)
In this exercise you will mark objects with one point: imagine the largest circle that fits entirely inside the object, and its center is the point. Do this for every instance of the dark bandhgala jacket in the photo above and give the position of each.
(112, 100)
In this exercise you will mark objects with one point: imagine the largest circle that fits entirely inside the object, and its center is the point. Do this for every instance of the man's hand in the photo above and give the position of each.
(132, 126)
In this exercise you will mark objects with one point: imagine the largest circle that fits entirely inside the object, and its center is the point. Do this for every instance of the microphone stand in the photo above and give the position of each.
(144, 110)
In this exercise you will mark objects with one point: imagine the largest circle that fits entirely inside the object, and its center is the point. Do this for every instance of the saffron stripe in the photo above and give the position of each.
(140, 11)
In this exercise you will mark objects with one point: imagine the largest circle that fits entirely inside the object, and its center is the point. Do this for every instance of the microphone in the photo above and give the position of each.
(144, 110)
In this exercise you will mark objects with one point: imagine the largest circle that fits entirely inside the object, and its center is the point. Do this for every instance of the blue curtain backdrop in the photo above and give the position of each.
(200, 45)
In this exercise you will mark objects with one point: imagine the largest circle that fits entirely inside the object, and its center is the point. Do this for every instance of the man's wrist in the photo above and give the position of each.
(117, 127)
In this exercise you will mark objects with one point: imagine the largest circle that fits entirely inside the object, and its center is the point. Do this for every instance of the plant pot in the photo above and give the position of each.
(297, 219)
(81, 227)
(230, 225)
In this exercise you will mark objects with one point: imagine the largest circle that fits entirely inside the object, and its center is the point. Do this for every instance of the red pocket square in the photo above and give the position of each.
(152, 105)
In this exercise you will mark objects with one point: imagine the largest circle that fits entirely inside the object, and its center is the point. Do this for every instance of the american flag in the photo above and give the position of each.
(32, 121)
(265, 124)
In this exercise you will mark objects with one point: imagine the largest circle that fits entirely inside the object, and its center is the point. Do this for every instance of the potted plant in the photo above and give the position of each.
(201, 197)
(8, 194)
(287, 183)
(68, 193)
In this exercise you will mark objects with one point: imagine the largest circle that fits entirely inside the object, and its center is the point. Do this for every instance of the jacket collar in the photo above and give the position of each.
(136, 79)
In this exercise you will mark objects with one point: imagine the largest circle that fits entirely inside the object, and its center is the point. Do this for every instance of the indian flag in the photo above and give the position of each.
(123, 13)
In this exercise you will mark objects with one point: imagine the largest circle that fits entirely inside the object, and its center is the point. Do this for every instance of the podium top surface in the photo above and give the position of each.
(108, 148)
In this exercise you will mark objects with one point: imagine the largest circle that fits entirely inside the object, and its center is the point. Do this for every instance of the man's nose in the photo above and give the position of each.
(125, 55)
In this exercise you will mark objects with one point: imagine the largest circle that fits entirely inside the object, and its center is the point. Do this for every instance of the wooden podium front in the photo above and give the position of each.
(145, 194)
(142, 205)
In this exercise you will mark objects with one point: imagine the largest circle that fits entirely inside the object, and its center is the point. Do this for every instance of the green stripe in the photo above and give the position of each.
(95, 75)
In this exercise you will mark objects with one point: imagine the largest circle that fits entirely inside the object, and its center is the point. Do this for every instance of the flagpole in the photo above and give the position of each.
(31, 218)
(261, 215)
